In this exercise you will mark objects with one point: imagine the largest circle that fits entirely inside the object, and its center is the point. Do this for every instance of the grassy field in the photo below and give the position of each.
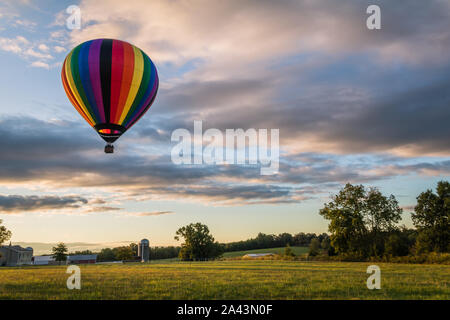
(228, 280)
(296, 250)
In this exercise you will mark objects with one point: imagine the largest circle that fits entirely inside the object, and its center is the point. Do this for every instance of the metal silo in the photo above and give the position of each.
(144, 250)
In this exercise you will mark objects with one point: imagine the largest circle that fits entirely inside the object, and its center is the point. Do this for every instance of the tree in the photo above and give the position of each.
(346, 219)
(124, 253)
(314, 247)
(360, 220)
(380, 216)
(431, 218)
(284, 239)
(60, 252)
(5, 234)
(288, 251)
(326, 246)
(81, 253)
(396, 245)
(134, 248)
(106, 254)
(303, 239)
(198, 243)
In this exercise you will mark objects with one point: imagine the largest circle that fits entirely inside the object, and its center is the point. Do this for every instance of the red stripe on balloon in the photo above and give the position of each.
(127, 77)
(116, 76)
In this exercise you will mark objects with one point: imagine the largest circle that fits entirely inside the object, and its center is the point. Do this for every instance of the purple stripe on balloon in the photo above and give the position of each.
(143, 107)
(94, 71)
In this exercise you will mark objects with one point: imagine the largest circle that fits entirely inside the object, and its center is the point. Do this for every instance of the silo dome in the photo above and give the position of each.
(145, 241)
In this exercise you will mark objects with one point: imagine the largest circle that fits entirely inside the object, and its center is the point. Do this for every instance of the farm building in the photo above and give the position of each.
(12, 256)
(257, 255)
(144, 250)
(82, 259)
(43, 260)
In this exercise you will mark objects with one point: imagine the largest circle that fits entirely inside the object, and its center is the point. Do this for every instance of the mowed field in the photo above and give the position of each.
(232, 279)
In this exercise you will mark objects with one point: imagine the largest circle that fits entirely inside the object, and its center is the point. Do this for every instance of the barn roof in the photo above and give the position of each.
(255, 255)
(43, 258)
(16, 248)
(83, 257)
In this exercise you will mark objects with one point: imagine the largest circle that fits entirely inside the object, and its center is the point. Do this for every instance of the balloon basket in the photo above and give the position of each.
(109, 148)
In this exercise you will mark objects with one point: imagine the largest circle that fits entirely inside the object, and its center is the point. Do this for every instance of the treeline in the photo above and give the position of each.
(130, 253)
(364, 224)
(264, 241)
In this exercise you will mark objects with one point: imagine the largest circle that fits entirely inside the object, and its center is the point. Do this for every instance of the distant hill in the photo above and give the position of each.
(46, 248)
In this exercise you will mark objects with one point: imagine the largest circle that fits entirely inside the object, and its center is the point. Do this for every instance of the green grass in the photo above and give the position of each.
(296, 250)
(230, 279)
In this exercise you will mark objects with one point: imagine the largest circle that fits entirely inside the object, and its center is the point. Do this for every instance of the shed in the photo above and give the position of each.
(82, 259)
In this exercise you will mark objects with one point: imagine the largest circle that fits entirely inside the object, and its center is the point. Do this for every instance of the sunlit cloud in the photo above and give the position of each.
(149, 214)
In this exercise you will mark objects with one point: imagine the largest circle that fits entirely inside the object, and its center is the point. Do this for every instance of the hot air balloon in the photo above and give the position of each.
(111, 83)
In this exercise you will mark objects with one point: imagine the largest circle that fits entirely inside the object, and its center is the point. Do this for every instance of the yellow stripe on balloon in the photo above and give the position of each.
(74, 88)
(135, 83)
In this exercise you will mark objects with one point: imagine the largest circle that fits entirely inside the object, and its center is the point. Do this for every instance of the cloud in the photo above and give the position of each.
(232, 34)
(43, 47)
(14, 45)
(59, 49)
(40, 64)
(312, 69)
(30, 52)
(340, 118)
(46, 153)
(25, 24)
(148, 214)
(351, 104)
(103, 209)
(13, 204)
(37, 54)
(27, 45)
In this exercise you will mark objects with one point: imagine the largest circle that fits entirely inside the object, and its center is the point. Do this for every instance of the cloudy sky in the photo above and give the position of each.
(352, 105)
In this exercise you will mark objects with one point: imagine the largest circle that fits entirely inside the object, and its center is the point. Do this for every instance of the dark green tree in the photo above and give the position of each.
(314, 247)
(326, 246)
(346, 217)
(288, 251)
(431, 218)
(106, 254)
(198, 243)
(134, 248)
(124, 253)
(60, 252)
(401, 242)
(83, 252)
(381, 215)
(360, 220)
(396, 245)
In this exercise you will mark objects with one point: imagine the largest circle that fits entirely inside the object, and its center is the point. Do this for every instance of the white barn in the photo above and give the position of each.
(43, 260)
(12, 256)
(257, 255)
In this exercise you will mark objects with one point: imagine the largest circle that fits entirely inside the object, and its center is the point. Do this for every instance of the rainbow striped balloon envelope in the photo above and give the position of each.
(111, 83)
